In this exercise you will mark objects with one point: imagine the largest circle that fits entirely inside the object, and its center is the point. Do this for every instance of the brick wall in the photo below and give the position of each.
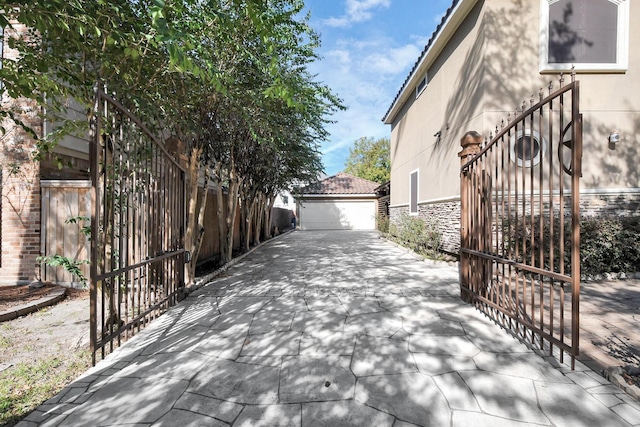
(20, 202)
(20, 194)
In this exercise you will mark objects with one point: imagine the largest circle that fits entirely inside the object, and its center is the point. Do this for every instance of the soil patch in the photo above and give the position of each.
(14, 296)
(51, 331)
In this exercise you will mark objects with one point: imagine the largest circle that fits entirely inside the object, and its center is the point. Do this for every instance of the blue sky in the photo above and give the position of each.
(368, 49)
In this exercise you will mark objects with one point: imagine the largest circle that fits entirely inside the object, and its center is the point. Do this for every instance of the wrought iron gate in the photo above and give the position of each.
(520, 222)
(137, 226)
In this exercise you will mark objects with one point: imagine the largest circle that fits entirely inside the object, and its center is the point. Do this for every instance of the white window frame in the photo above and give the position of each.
(622, 53)
(417, 211)
(424, 82)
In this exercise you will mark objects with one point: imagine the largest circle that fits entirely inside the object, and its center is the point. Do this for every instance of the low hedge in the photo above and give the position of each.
(607, 244)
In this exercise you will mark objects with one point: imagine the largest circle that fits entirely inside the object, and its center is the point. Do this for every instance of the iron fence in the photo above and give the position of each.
(137, 226)
(520, 228)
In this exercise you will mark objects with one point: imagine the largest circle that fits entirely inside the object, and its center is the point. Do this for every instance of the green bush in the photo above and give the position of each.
(420, 236)
(382, 222)
(607, 244)
(610, 245)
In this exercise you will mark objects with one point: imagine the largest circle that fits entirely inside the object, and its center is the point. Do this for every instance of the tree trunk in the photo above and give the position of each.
(222, 233)
(246, 224)
(199, 236)
(234, 185)
(192, 184)
(267, 217)
(258, 204)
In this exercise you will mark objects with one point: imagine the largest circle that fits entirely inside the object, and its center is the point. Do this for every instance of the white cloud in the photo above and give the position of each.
(364, 66)
(366, 74)
(393, 61)
(342, 56)
(360, 10)
(420, 40)
(357, 11)
(337, 22)
(439, 17)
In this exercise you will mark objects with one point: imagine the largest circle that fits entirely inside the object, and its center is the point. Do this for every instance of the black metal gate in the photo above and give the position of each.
(520, 223)
(137, 226)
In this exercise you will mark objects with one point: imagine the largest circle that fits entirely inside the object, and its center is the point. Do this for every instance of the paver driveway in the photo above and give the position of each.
(332, 329)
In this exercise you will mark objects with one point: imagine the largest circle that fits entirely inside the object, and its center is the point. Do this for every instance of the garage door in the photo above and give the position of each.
(338, 215)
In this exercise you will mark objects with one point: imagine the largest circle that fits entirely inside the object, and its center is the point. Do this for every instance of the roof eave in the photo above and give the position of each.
(338, 195)
(432, 50)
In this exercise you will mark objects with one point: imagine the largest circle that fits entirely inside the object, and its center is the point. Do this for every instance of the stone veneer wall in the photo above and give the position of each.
(446, 215)
(610, 204)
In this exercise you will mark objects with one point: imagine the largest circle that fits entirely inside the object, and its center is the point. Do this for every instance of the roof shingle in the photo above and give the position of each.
(342, 183)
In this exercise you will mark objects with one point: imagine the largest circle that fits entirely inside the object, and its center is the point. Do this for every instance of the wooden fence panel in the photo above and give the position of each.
(62, 200)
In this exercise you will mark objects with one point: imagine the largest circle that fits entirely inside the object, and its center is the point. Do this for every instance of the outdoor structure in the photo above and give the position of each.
(39, 198)
(339, 202)
(24, 211)
(489, 60)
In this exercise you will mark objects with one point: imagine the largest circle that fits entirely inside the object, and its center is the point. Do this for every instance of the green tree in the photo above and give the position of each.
(228, 78)
(369, 159)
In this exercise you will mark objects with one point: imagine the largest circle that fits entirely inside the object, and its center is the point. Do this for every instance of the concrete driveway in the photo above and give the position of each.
(332, 329)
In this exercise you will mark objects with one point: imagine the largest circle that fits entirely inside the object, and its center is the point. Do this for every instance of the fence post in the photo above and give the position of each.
(470, 144)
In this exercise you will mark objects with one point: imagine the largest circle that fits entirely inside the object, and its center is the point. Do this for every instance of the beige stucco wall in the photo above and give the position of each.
(486, 70)
(438, 109)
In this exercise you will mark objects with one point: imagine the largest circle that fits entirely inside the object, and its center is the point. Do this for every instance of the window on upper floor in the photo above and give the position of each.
(592, 35)
(413, 193)
(422, 84)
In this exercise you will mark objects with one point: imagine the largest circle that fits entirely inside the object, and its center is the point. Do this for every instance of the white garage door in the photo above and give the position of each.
(338, 215)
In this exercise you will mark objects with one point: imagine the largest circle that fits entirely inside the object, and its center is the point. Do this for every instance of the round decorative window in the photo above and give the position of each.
(527, 148)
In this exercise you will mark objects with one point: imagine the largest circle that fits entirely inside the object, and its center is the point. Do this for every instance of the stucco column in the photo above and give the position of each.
(470, 144)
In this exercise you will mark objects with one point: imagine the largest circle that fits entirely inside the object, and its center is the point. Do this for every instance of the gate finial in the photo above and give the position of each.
(470, 143)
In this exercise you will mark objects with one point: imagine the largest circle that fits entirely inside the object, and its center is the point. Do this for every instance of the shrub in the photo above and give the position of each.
(607, 244)
(610, 245)
(420, 236)
(382, 222)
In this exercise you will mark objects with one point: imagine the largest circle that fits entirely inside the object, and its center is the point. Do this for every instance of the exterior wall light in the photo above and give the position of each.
(614, 138)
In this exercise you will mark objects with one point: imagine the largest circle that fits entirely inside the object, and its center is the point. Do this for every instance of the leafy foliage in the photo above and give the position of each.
(610, 245)
(369, 159)
(71, 265)
(228, 78)
(607, 244)
(418, 235)
(161, 56)
(383, 222)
